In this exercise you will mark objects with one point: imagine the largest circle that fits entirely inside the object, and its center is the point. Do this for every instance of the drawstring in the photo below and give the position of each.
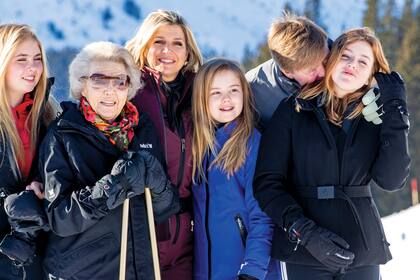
(341, 194)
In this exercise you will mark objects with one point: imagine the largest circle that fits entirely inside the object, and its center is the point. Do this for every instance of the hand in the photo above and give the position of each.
(156, 178)
(391, 86)
(27, 219)
(37, 187)
(126, 180)
(324, 245)
(373, 108)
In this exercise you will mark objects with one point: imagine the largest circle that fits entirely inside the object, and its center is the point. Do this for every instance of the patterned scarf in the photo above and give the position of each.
(121, 131)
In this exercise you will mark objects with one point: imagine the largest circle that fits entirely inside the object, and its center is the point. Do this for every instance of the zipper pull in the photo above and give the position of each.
(183, 144)
(192, 226)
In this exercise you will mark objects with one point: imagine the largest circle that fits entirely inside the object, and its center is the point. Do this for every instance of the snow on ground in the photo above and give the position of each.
(403, 232)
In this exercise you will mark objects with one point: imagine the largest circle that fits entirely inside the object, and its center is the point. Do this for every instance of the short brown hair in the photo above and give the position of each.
(295, 42)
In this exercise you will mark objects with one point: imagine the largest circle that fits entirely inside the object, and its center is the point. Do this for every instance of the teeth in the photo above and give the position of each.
(108, 103)
(31, 78)
(166, 60)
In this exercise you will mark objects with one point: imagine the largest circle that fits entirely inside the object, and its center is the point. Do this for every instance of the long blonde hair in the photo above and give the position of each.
(139, 45)
(11, 36)
(234, 151)
(336, 107)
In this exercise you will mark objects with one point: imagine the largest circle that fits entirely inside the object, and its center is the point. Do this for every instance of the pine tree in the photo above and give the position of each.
(370, 17)
(387, 31)
(312, 11)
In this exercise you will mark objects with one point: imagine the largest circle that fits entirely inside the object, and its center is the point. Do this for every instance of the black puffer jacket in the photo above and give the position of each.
(85, 238)
(11, 182)
(301, 169)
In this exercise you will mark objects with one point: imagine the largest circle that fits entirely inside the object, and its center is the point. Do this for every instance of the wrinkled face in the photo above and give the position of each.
(167, 51)
(106, 88)
(24, 71)
(311, 73)
(353, 69)
(226, 97)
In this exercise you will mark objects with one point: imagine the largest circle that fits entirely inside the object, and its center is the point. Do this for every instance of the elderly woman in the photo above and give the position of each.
(165, 50)
(99, 152)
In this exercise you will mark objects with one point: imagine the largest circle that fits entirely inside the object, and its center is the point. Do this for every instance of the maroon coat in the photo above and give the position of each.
(175, 238)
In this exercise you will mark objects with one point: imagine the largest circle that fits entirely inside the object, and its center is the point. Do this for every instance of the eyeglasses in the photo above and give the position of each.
(101, 81)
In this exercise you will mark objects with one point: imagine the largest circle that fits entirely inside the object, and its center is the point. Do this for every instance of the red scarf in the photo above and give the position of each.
(20, 114)
(121, 131)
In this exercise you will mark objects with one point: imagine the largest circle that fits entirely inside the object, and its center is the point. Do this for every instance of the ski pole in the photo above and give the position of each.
(124, 230)
(152, 231)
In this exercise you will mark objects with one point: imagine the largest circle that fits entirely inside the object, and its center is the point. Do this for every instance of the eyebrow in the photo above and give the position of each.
(234, 85)
(177, 38)
(25, 55)
(363, 55)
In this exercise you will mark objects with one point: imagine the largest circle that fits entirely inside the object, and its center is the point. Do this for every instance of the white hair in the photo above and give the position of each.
(102, 52)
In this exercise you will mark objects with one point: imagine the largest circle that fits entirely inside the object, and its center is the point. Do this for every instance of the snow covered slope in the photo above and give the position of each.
(222, 27)
(403, 232)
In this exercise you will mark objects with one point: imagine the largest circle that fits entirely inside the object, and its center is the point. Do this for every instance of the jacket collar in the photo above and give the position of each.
(223, 133)
(288, 85)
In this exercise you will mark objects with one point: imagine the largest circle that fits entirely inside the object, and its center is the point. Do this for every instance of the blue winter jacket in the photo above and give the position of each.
(219, 204)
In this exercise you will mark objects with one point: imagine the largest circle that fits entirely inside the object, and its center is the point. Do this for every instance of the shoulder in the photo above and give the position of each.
(260, 72)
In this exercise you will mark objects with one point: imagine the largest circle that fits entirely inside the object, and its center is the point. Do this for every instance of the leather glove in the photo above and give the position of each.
(324, 245)
(127, 179)
(391, 86)
(27, 218)
(372, 111)
(246, 277)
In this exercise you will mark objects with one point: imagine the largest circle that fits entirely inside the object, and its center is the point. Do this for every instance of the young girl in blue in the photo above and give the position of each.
(232, 236)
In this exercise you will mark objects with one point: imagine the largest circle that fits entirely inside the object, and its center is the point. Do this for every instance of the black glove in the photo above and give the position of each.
(156, 179)
(324, 245)
(246, 277)
(391, 86)
(165, 197)
(27, 218)
(127, 179)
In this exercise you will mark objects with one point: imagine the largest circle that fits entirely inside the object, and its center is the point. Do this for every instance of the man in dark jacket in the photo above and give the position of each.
(298, 47)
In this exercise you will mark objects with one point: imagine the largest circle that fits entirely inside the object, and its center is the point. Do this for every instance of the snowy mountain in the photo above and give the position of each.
(403, 232)
(222, 27)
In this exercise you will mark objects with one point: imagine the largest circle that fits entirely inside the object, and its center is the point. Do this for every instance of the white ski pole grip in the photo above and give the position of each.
(152, 231)
(124, 230)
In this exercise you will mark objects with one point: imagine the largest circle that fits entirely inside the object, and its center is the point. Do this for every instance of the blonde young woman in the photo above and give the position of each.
(318, 156)
(24, 113)
(165, 51)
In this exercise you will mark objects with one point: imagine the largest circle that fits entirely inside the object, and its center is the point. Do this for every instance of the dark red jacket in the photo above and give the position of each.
(152, 100)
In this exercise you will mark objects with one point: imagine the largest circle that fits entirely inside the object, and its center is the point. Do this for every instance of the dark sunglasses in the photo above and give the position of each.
(97, 80)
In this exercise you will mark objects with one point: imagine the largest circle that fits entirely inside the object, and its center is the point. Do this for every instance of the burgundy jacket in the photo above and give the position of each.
(177, 149)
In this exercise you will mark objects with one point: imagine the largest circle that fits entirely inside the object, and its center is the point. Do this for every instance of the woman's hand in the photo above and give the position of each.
(37, 187)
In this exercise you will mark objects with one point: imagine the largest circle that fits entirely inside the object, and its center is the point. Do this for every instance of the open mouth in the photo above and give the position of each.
(166, 60)
(29, 78)
(226, 109)
(108, 103)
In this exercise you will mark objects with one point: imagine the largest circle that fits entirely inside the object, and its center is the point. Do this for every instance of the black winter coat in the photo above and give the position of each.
(85, 238)
(298, 153)
(11, 182)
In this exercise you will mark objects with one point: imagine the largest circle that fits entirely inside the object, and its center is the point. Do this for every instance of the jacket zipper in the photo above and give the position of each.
(321, 118)
(182, 155)
(207, 223)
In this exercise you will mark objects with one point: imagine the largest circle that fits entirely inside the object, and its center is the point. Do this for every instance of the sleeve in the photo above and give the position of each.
(271, 187)
(70, 209)
(260, 231)
(392, 165)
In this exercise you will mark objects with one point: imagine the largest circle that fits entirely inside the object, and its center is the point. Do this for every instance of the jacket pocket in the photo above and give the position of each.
(87, 257)
(243, 232)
